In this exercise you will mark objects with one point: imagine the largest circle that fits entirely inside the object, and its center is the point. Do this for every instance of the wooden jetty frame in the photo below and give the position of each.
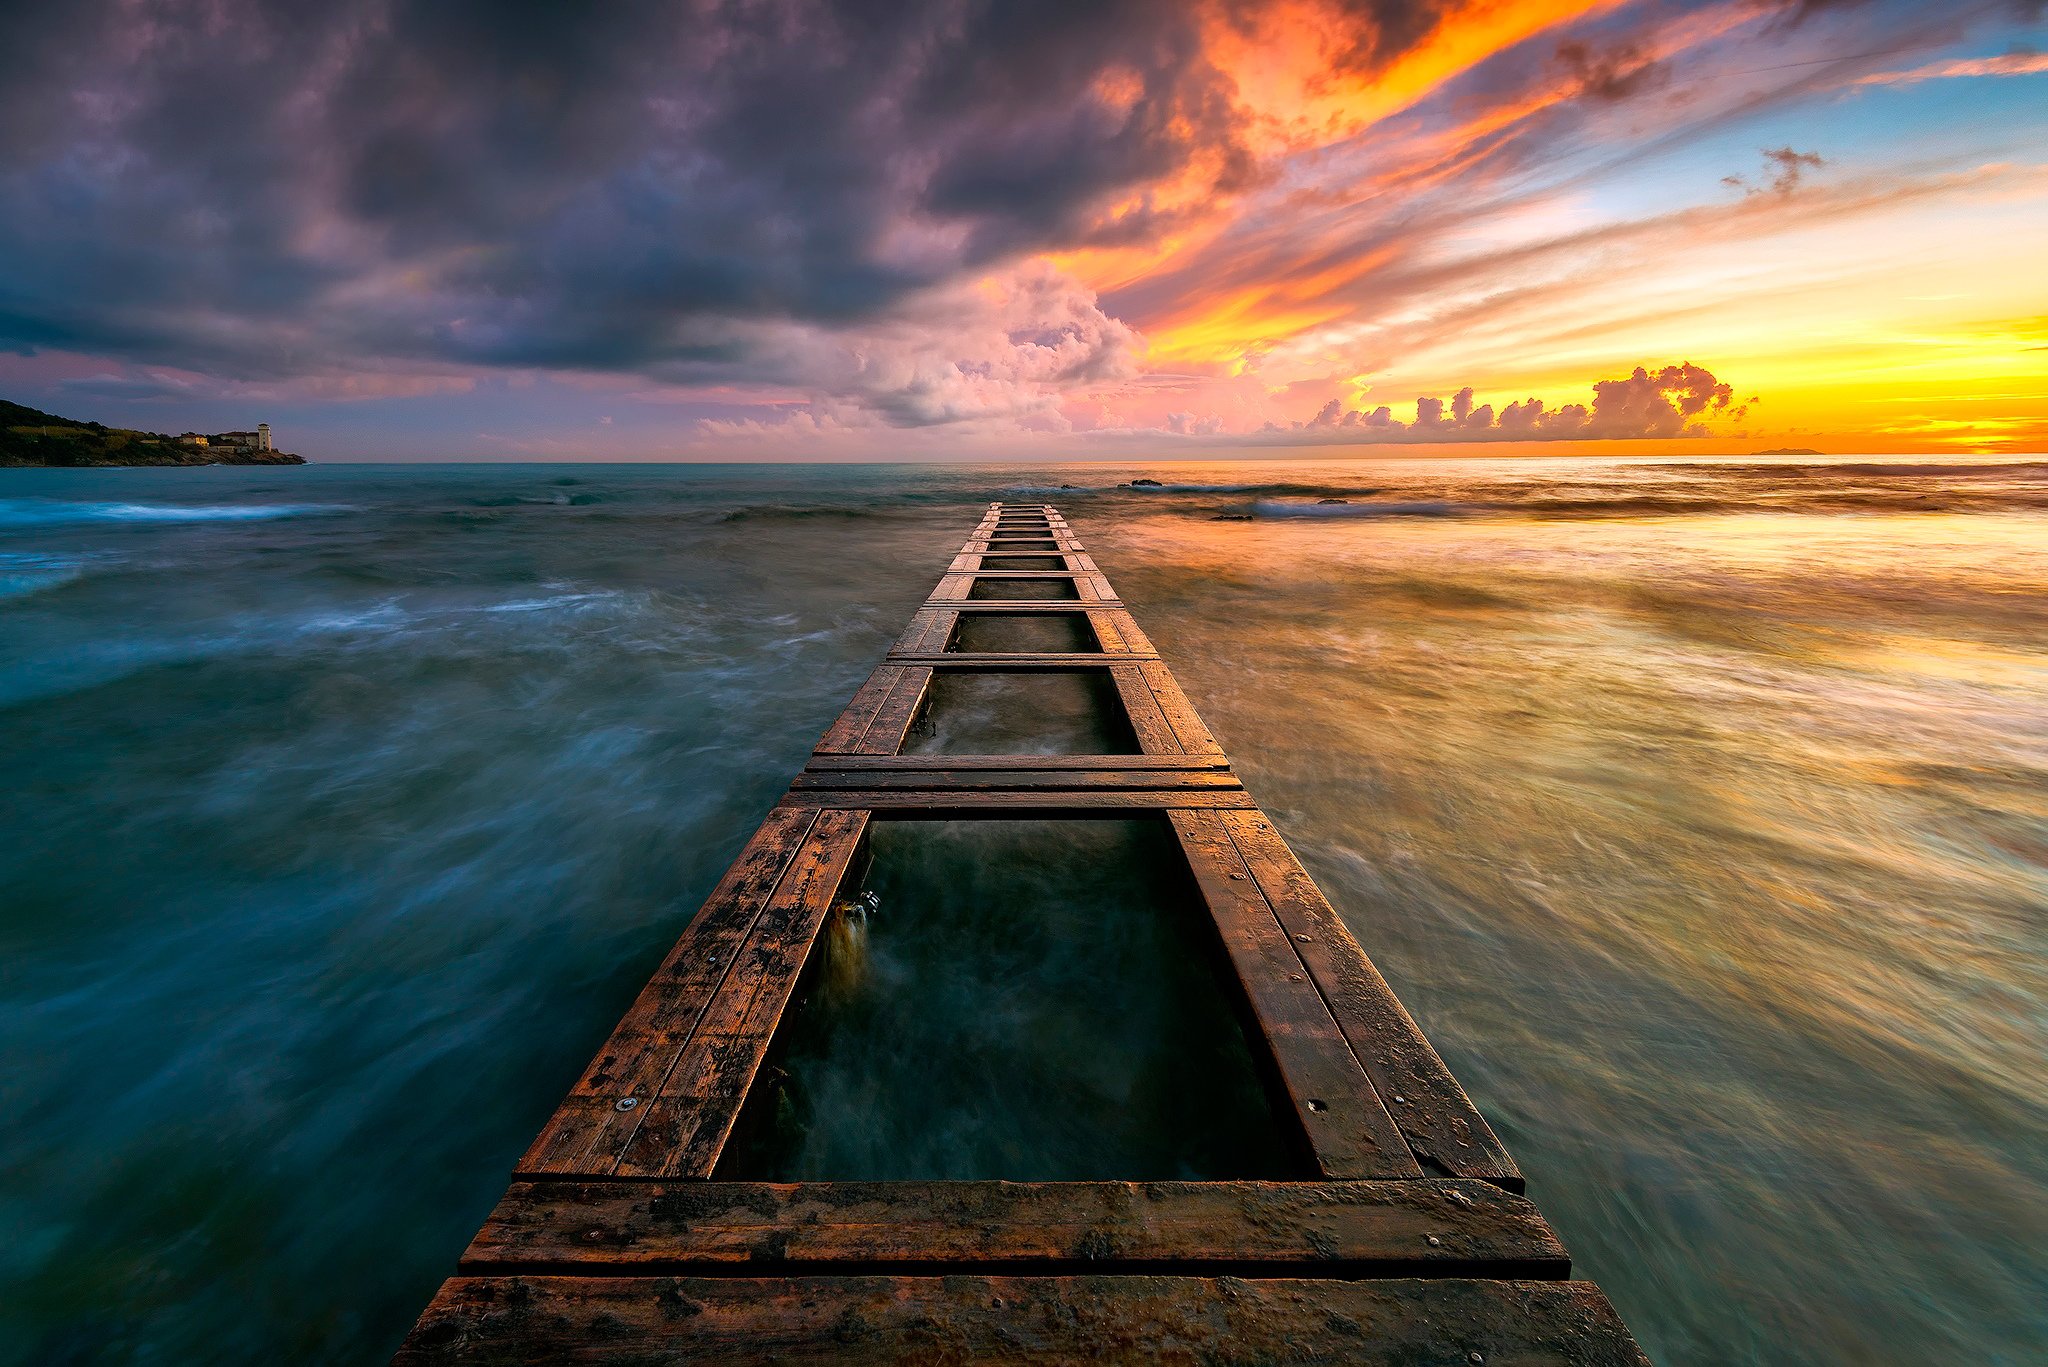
(1409, 1239)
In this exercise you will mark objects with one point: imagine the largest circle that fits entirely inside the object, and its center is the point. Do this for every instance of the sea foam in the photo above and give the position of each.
(42, 512)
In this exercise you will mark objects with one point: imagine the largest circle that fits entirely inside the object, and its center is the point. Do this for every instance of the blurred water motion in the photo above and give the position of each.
(1698, 811)
(1041, 712)
(1030, 1000)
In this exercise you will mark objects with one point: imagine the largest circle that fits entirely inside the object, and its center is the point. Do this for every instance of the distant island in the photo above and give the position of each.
(29, 436)
(1791, 451)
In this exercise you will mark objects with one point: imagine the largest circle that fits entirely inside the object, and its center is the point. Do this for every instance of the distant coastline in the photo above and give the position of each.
(1791, 451)
(30, 437)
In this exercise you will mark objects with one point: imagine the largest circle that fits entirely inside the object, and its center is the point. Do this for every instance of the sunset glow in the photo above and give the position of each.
(956, 233)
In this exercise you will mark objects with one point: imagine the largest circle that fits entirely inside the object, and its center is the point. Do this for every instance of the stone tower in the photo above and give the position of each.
(262, 436)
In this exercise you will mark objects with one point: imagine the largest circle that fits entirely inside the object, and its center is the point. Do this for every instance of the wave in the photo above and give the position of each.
(40, 512)
(2019, 469)
(790, 512)
(559, 600)
(22, 575)
(1428, 507)
(1300, 489)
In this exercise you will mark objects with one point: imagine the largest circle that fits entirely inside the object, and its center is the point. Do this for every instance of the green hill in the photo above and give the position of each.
(29, 436)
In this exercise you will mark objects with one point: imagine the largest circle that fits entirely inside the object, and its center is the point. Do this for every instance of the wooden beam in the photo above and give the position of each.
(976, 779)
(1440, 1121)
(592, 1127)
(1149, 721)
(1021, 604)
(1068, 660)
(1331, 1097)
(845, 733)
(845, 763)
(688, 1121)
(1050, 803)
(854, 1321)
(1441, 1227)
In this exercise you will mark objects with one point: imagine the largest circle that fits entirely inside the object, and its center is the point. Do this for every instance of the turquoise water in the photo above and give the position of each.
(1699, 812)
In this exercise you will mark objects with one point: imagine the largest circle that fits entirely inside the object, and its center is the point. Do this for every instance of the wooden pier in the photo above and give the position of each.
(1405, 1238)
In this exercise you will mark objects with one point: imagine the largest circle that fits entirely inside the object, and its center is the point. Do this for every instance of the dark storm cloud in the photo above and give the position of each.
(266, 187)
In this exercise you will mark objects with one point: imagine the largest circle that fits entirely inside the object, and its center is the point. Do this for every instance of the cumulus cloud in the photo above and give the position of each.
(1673, 401)
(1009, 346)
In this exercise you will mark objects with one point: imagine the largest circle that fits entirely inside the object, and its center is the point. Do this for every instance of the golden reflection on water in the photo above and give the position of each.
(1723, 840)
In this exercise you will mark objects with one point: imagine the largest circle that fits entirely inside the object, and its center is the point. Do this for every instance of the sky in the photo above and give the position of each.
(949, 230)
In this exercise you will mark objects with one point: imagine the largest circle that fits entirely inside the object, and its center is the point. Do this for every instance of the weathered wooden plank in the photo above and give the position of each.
(850, 763)
(688, 1122)
(1015, 605)
(1109, 633)
(938, 631)
(1022, 604)
(1003, 780)
(1119, 623)
(893, 718)
(588, 1132)
(926, 625)
(1431, 1227)
(1332, 1098)
(951, 587)
(846, 730)
(849, 1321)
(1440, 1121)
(1149, 722)
(1194, 736)
(1008, 562)
(1054, 803)
(996, 660)
(1028, 574)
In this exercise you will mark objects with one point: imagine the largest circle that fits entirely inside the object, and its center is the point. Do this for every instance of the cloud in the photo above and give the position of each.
(1006, 347)
(1671, 402)
(125, 387)
(1783, 170)
(1189, 216)
(260, 187)
(2023, 63)
(1621, 72)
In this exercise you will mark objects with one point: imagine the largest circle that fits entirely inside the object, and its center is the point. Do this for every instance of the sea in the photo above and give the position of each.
(1696, 808)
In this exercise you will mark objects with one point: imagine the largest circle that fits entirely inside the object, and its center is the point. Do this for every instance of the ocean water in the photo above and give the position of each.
(1697, 809)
